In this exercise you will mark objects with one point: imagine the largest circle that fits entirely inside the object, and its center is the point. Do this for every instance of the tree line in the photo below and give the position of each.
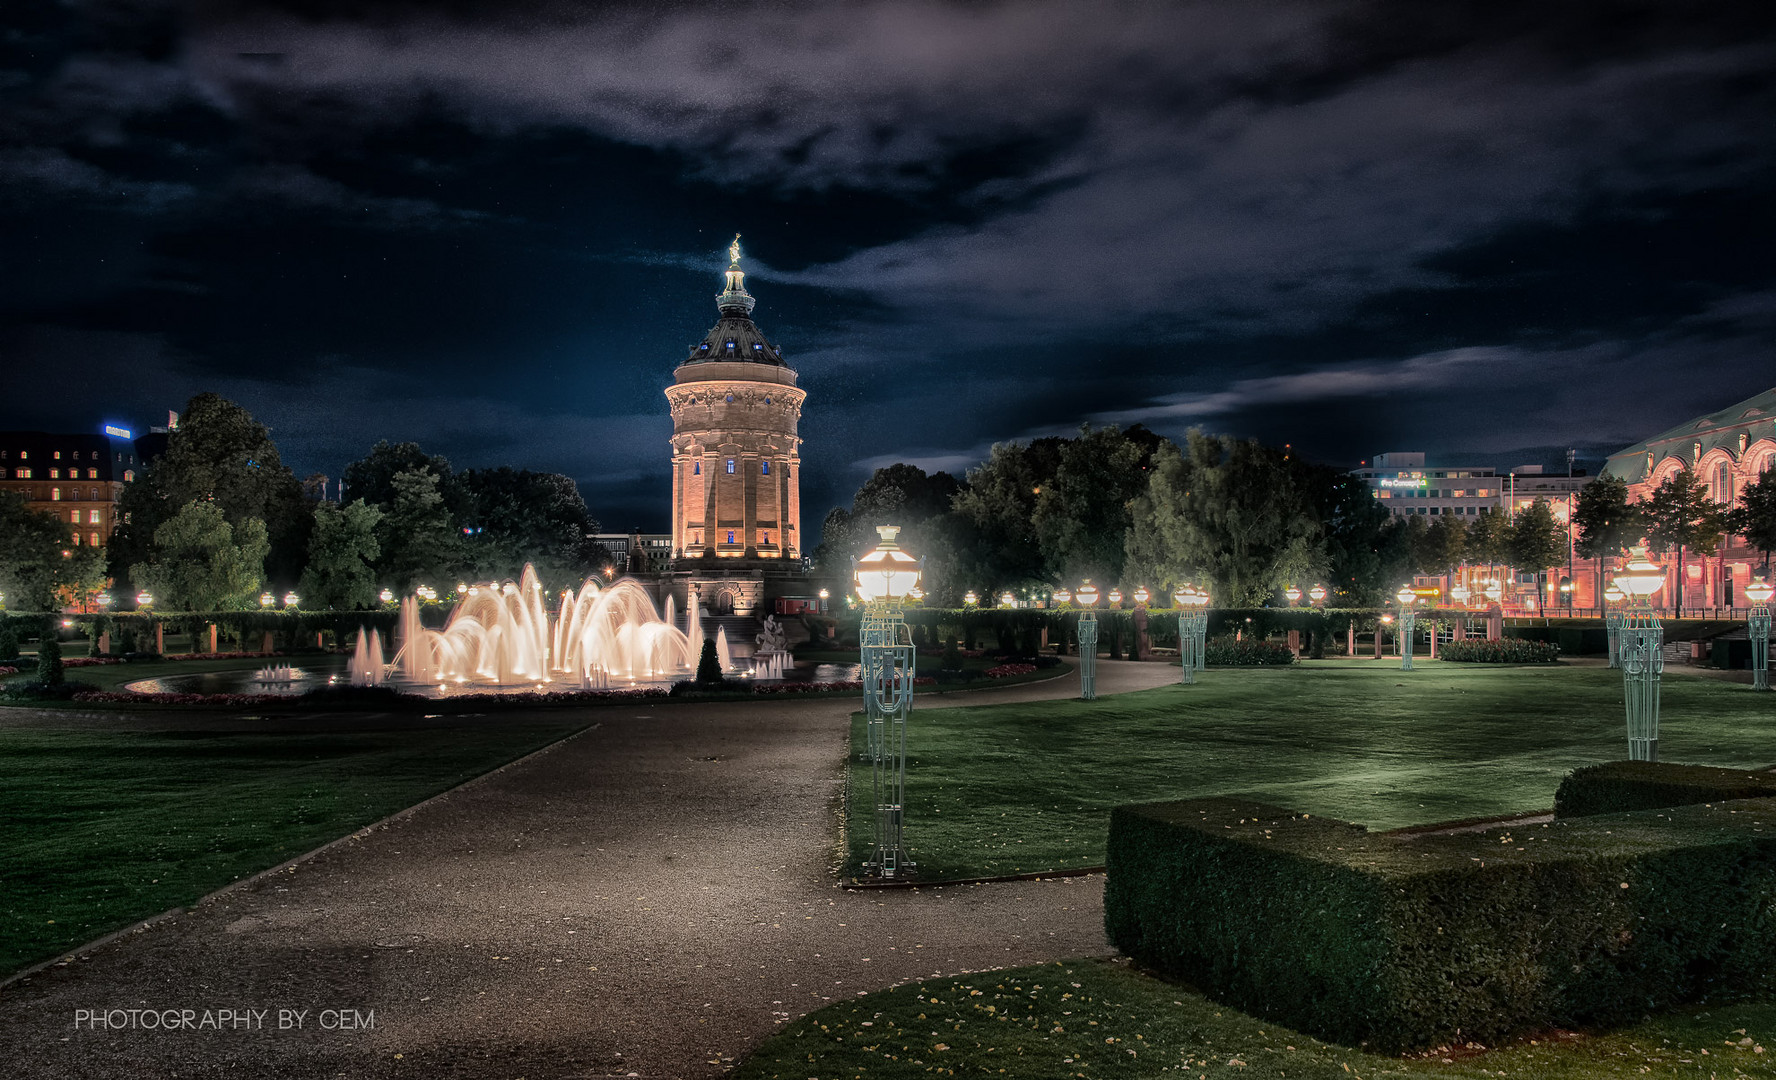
(219, 518)
(1128, 507)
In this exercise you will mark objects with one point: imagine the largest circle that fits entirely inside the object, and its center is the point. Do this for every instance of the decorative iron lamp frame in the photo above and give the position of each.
(1612, 621)
(1408, 621)
(1758, 626)
(885, 576)
(1087, 596)
(1642, 660)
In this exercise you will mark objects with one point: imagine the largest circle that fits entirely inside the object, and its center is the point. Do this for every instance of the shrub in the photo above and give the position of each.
(1405, 942)
(49, 661)
(1251, 652)
(1504, 651)
(709, 669)
(9, 644)
(1622, 786)
(952, 657)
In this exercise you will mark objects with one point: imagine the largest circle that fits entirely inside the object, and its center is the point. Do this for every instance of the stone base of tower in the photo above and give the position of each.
(740, 586)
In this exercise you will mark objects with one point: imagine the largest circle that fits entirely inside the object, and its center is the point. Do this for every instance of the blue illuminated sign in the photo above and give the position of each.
(118, 432)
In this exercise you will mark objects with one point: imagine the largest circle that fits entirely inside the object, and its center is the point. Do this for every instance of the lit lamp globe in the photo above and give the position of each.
(1115, 597)
(1200, 597)
(1006, 599)
(970, 598)
(1405, 596)
(1641, 577)
(886, 572)
(1613, 593)
(387, 596)
(144, 599)
(266, 599)
(1088, 595)
(1142, 595)
(1459, 593)
(1294, 595)
(915, 593)
(291, 600)
(1493, 591)
(1181, 596)
(104, 599)
(1317, 594)
(824, 594)
(1063, 596)
(1759, 591)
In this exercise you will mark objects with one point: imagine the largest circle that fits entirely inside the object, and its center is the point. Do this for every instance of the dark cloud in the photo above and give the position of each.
(1314, 222)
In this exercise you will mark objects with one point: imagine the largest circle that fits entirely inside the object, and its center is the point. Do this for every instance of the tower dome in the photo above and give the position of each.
(736, 457)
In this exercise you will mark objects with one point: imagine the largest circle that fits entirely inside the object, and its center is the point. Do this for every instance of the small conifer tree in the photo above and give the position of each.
(49, 660)
(709, 669)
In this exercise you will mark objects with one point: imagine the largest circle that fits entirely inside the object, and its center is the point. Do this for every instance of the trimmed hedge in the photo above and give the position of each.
(1506, 651)
(1622, 786)
(1399, 943)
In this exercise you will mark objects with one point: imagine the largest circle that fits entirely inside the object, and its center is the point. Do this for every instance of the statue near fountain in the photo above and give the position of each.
(770, 657)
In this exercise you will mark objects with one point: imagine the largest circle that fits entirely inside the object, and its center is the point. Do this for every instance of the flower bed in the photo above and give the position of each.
(1003, 670)
(1506, 651)
(5, 671)
(90, 661)
(1249, 652)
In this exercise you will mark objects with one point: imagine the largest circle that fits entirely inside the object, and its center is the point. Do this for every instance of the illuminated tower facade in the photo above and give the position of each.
(736, 457)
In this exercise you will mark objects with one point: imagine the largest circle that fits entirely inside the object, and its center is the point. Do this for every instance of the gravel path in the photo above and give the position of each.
(650, 898)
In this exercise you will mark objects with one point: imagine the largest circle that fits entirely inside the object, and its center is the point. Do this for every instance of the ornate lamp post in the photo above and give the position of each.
(1293, 592)
(970, 598)
(144, 599)
(1408, 618)
(1317, 594)
(1088, 641)
(1185, 598)
(884, 578)
(1199, 615)
(1642, 663)
(1612, 621)
(824, 597)
(1142, 596)
(266, 599)
(1759, 593)
(1006, 599)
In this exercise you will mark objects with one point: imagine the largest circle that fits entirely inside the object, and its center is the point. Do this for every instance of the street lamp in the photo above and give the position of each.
(1317, 594)
(1088, 641)
(1566, 594)
(1642, 662)
(1006, 599)
(1459, 593)
(823, 598)
(1407, 618)
(970, 598)
(291, 600)
(1142, 596)
(1612, 621)
(104, 598)
(387, 596)
(266, 599)
(1185, 598)
(1759, 593)
(144, 599)
(1115, 598)
(885, 576)
(1294, 594)
(1063, 596)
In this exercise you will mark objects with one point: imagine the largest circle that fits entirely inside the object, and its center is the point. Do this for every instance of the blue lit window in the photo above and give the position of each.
(703, 347)
(767, 538)
(730, 464)
(756, 347)
(730, 536)
(765, 468)
(696, 468)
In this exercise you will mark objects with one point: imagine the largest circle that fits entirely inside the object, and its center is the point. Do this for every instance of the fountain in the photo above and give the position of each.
(770, 657)
(503, 636)
(276, 675)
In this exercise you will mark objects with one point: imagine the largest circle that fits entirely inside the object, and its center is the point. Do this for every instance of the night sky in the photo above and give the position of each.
(1484, 230)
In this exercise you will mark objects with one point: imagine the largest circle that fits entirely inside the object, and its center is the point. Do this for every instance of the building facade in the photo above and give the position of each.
(77, 477)
(1726, 450)
(736, 457)
(1406, 484)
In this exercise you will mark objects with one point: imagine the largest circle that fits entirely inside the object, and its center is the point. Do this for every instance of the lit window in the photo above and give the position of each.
(23, 454)
(93, 539)
(58, 455)
(730, 464)
(756, 347)
(767, 538)
(764, 468)
(92, 474)
(730, 536)
(1723, 483)
(55, 494)
(92, 517)
(730, 399)
(55, 474)
(696, 468)
(129, 475)
(24, 474)
(76, 539)
(74, 516)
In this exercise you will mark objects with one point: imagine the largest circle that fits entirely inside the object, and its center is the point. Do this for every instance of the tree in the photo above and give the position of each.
(50, 671)
(419, 541)
(32, 546)
(1230, 509)
(1754, 517)
(1606, 522)
(516, 516)
(1681, 517)
(1362, 547)
(1536, 540)
(202, 563)
(372, 478)
(342, 554)
(222, 456)
(1489, 538)
(1442, 545)
(998, 500)
(1082, 514)
(80, 576)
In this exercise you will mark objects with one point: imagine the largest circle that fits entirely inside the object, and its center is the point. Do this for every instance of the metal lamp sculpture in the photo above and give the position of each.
(1184, 598)
(1200, 620)
(1408, 618)
(1642, 663)
(1759, 593)
(1612, 621)
(885, 576)
(1088, 641)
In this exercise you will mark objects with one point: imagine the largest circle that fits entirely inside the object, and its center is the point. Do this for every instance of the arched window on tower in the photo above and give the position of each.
(1723, 483)
(730, 464)
(696, 468)
(764, 468)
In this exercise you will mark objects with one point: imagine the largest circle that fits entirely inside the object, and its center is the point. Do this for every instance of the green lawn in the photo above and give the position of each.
(104, 828)
(1099, 1019)
(1008, 789)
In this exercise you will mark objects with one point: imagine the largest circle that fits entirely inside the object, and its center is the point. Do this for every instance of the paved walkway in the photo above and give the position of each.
(651, 898)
